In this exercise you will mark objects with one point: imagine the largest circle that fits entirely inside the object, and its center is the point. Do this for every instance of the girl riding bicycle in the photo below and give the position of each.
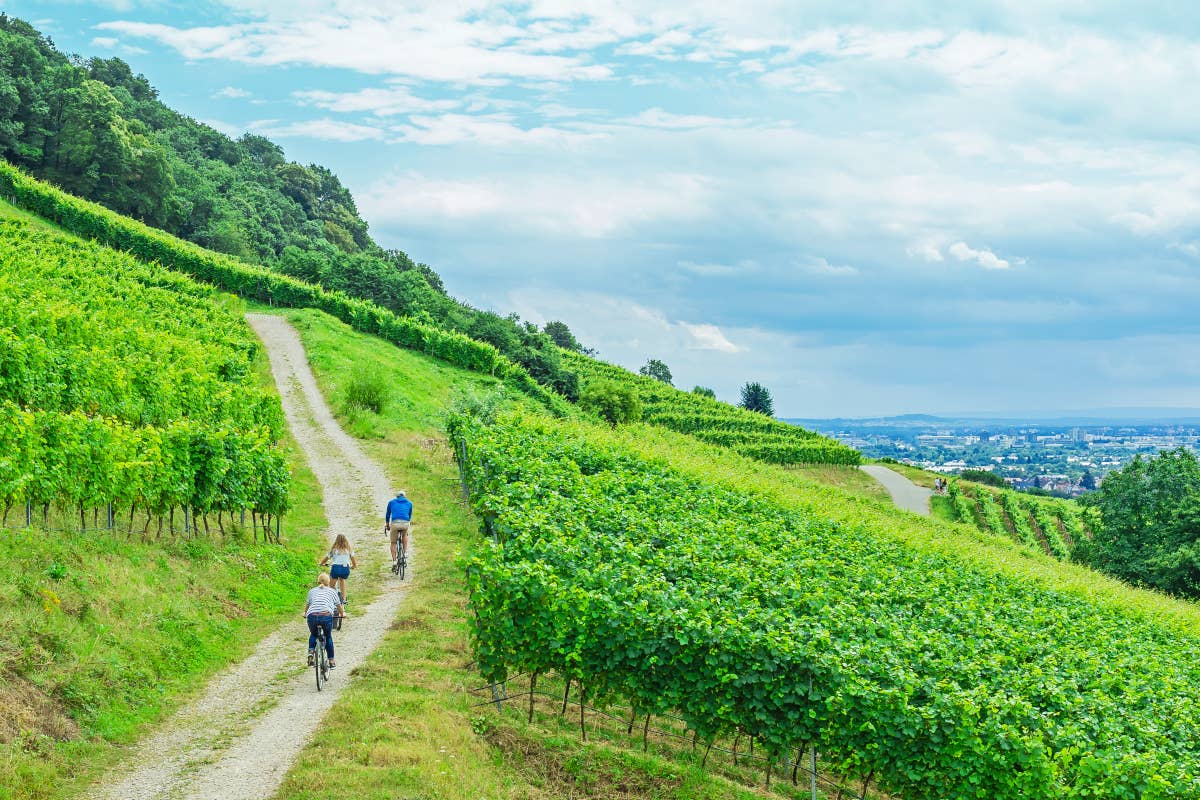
(341, 561)
(322, 606)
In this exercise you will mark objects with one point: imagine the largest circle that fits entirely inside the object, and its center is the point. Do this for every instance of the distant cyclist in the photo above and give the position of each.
(322, 606)
(341, 560)
(396, 521)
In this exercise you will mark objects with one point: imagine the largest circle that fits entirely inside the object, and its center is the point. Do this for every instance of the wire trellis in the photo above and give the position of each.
(821, 785)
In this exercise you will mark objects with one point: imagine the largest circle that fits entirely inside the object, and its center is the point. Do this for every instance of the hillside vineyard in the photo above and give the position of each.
(124, 384)
(933, 676)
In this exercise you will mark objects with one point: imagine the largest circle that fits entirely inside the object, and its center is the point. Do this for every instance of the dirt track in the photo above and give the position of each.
(905, 494)
(237, 740)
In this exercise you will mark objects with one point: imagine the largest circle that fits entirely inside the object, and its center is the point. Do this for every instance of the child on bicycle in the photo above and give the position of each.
(340, 560)
(322, 606)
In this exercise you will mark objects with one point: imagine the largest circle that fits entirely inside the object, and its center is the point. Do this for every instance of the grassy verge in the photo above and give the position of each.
(848, 479)
(110, 633)
(408, 726)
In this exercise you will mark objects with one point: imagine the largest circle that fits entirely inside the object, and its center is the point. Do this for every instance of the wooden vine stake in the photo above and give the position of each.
(532, 686)
(582, 708)
(645, 735)
(566, 693)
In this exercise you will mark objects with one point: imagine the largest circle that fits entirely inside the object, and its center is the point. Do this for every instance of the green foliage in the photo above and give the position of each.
(656, 369)
(1150, 523)
(754, 435)
(123, 383)
(757, 398)
(704, 391)
(681, 595)
(615, 402)
(984, 477)
(368, 389)
(256, 283)
(561, 335)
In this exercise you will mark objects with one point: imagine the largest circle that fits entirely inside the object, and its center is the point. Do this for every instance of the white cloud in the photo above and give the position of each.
(230, 93)
(709, 337)
(588, 207)
(984, 258)
(926, 250)
(819, 266)
(657, 118)
(718, 270)
(107, 42)
(327, 129)
(380, 102)
(491, 130)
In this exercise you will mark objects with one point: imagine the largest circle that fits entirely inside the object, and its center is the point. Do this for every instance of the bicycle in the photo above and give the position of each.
(401, 562)
(320, 659)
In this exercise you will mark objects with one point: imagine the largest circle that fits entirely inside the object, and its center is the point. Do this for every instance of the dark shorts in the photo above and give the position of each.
(339, 571)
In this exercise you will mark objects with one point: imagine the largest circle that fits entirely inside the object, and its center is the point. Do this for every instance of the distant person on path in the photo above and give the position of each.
(340, 560)
(397, 519)
(322, 606)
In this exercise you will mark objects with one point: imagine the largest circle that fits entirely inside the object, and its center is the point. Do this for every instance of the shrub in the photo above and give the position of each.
(367, 390)
(615, 402)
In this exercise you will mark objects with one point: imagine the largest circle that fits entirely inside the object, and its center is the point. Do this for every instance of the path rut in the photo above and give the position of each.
(237, 740)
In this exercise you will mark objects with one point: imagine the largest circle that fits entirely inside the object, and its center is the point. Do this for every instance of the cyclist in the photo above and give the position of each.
(342, 557)
(322, 605)
(397, 519)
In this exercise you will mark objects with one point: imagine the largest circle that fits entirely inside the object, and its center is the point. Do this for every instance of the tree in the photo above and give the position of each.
(1088, 481)
(983, 476)
(562, 336)
(1149, 530)
(614, 401)
(756, 397)
(657, 370)
(704, 391)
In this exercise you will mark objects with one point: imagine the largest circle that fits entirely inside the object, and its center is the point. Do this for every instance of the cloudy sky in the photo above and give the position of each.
(994, 206)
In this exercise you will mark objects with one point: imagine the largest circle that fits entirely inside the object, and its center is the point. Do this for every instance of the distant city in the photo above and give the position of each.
(1065, 456)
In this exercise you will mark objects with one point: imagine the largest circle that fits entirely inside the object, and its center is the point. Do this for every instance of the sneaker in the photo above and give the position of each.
(310, 658)
(332, 665)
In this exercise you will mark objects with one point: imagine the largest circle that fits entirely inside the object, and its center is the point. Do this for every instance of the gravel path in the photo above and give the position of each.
(905, 494)
(237, 741)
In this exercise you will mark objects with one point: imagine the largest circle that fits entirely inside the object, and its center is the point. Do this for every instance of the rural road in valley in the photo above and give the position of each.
(905, 494)
(237, 740)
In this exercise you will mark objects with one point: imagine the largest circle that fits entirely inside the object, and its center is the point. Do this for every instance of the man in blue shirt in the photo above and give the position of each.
(397, 519)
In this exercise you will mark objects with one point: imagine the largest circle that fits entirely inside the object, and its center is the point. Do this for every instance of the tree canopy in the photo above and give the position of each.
(756, 397)
(704, 391)
(658, 370)
(1150, 523)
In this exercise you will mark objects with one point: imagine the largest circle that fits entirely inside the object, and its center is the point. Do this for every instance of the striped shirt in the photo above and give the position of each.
(323, 601)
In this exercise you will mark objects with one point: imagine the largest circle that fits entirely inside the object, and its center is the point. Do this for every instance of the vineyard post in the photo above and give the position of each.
(532, 687)
(187, 524)
(277, 529)
(496, 697)
(28, 514)
(110, 516)
(813, 774)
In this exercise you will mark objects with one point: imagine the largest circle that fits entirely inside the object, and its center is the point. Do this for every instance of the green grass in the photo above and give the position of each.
(111, 633)
(9, 211)
(848, 479)
(407, 726)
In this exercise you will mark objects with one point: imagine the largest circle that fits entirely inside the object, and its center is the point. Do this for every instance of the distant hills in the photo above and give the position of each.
(1083, 417)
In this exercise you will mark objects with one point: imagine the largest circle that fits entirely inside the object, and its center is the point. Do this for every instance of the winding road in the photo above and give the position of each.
(237, 740)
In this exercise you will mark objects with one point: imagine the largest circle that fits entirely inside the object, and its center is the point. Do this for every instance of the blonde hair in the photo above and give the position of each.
(341, 543)
(323, 579)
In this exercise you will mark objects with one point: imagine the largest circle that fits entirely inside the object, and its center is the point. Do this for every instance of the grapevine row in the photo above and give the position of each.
(936, 677)
(753, 435)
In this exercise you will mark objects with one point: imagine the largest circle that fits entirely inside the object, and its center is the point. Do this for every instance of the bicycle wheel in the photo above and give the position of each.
(401, 564)
(319, 661)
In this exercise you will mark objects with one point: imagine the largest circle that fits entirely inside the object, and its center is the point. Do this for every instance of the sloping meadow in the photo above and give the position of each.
(816, 624)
